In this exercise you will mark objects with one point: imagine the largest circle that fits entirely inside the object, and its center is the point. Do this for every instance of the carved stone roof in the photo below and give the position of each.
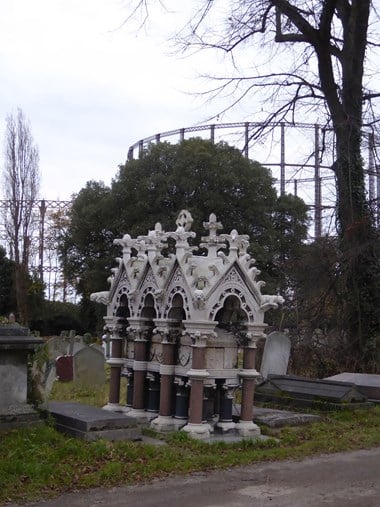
(203, 281)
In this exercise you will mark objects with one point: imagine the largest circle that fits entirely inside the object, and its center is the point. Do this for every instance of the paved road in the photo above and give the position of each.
(349, 479)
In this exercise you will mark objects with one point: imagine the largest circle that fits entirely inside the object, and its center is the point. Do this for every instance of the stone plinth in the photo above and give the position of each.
(15, 346)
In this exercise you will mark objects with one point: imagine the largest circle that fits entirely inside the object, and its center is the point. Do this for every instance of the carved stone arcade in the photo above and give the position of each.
(176, 323)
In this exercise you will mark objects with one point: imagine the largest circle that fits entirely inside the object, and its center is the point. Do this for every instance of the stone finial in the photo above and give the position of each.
(184, 220)
(212, 240)
(212, 225)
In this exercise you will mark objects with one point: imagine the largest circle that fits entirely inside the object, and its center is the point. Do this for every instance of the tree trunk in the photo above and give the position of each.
(359, 244)
(358, 239)
(21, 278)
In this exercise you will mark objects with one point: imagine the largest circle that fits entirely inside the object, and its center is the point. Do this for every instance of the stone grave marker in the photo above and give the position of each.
(64, 368)
(71, 342)
(276, 354)
(56, 346)
(88, 366)
(77, 347)
(98, 347)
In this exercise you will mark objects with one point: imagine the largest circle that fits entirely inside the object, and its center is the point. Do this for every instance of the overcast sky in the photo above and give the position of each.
(90, 87)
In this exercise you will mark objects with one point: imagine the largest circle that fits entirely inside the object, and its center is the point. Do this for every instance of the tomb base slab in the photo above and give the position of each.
(113, 407)
(142, 415)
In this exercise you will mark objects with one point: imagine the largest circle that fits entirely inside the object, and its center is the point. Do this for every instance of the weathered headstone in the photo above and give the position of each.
(77, 347)
(276, 355)
(97, 347)
(88, 366)
(71, 342)
(56, 346)
(64, 368)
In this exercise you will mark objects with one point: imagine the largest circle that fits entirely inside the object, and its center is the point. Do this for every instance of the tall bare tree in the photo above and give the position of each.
(21, 178)
(308, 59)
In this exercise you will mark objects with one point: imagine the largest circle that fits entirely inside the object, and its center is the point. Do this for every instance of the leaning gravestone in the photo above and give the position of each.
(88, 366)
(276, 355)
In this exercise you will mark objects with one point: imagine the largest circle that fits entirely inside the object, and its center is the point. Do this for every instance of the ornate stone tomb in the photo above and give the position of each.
(176, 321)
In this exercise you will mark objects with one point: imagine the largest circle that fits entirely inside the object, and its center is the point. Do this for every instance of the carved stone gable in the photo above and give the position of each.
(233, 277)
(148, 281)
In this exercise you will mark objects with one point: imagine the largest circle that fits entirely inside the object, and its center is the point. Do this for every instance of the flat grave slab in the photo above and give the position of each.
(91, 423)
(276, 418)
(306, 391)
(367, 383)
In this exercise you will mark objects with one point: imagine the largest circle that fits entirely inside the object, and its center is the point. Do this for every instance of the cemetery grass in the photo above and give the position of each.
(39, 462)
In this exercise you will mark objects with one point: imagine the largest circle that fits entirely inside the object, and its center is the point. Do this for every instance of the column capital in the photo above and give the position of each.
(139, 329)
(167, 329)
(254, 333)
(115, 332)
(200, 331)
(111, 325)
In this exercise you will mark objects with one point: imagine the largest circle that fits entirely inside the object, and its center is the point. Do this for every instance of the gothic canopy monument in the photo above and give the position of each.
(176, 322)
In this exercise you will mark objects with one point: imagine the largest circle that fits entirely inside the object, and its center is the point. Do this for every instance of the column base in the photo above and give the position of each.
(248, 429)
(166, 423)
(226, 427)
(199, 431)
(113, 407)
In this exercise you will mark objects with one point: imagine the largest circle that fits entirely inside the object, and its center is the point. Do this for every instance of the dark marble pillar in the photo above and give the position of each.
(139, 369)
(165, 421)
(248, 374)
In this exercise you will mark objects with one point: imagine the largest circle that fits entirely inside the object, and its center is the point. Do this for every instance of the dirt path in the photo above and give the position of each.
(349, 479)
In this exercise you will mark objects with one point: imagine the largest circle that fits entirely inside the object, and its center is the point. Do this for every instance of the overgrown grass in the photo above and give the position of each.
(40, 462)
(70, 391)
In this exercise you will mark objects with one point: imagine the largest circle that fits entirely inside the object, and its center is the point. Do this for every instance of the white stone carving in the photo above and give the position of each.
(100, 297)
(194, 299)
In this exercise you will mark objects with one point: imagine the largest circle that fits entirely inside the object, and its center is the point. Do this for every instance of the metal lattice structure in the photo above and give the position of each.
(48, 221)
(299, 155)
